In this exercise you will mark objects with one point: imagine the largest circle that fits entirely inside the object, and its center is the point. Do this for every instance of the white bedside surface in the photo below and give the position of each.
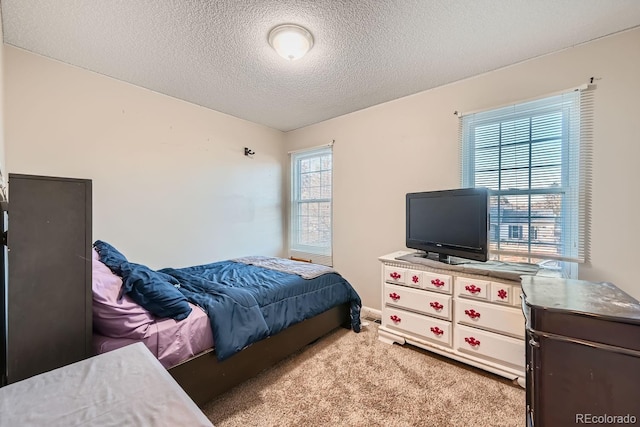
(124, 387)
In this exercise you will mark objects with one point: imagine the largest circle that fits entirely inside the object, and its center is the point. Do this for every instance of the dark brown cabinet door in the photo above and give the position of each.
(49, 274)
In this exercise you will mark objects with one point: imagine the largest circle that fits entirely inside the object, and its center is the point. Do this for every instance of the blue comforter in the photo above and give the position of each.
(246, 303)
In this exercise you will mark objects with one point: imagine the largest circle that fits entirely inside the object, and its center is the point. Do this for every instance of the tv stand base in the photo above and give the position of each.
(445, 259)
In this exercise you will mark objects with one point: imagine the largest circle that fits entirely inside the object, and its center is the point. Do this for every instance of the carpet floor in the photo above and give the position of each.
(349, 379)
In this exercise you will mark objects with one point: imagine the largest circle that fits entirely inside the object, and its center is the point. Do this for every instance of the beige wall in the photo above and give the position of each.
(411, 144)
(171, 184)
(172, 187)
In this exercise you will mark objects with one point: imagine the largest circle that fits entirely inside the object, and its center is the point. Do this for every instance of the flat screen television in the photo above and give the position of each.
(449, 223)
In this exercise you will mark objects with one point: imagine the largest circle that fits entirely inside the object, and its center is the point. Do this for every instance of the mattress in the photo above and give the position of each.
(170, 341)
(125, 387)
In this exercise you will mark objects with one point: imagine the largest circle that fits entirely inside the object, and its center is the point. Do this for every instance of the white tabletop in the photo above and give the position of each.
(124, 387)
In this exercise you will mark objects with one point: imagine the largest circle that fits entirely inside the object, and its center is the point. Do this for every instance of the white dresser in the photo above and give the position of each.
(471, 318)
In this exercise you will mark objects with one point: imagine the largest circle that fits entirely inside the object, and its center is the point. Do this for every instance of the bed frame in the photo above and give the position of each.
(204, 378)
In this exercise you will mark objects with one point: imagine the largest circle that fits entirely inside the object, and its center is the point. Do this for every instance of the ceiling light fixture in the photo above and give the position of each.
(290, 41)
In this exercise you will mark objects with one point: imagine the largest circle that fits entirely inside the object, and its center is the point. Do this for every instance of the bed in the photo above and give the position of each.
(215, 325)
(123, 387)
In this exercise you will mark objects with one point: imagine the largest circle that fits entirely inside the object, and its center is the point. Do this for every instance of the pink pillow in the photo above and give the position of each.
(113, 316)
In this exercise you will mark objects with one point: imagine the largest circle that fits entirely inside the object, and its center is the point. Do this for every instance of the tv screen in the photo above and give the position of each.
(449, 223)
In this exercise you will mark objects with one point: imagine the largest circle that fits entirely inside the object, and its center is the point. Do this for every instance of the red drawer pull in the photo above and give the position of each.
(473, 289)
(436, 305)
(437, 330)
(437, 282)
(395, 319)
(472, 313)
(472, 341)
(394, 296)
(415, 279)
(395, 276)
(502, 294)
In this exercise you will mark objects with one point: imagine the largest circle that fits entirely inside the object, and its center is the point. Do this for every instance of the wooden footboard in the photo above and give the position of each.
(204, 378)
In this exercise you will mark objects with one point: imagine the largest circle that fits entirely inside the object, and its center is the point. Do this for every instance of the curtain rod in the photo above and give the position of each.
(312, 148)
(582, 87)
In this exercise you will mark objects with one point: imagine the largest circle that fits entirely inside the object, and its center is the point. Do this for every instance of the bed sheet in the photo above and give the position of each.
(170, 341)
(125, 387)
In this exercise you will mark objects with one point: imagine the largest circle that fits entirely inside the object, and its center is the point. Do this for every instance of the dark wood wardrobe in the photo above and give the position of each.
(47, 299)
(582, 353)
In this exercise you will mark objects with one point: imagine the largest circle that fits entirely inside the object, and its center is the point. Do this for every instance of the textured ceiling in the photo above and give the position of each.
(215, 53)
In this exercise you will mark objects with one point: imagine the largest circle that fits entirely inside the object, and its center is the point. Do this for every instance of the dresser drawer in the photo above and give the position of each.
(394, 274)
(501, 293)
(507, 320)
(507, 350)
(473, 288)
(431, 303)
(436, 282)
(414, 278)
(424, 327)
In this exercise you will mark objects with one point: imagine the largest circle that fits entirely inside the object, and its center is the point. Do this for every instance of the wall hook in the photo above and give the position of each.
(248, 152)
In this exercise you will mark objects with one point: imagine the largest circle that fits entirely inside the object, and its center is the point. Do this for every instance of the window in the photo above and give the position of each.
(534, 157)
(311, 179)
(515, 232)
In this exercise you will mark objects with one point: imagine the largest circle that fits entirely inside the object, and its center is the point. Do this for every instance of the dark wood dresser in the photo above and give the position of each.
(48, 299)
(582, 353)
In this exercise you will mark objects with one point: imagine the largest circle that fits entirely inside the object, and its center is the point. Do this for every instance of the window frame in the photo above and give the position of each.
(515, 232)
(317, 253)
(575, 108)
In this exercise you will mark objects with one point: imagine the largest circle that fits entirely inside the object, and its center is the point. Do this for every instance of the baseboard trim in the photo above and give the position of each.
(370, 313)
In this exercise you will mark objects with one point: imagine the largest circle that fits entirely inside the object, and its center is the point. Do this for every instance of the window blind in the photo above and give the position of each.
(535, 158)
